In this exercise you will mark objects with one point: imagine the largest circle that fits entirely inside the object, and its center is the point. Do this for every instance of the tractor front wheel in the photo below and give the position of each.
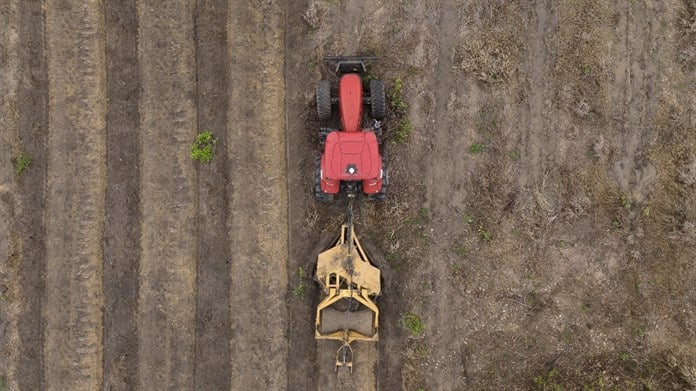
(324, 99)
(377, 100)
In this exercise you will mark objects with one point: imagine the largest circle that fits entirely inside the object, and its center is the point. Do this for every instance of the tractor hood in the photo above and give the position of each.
(351, 156)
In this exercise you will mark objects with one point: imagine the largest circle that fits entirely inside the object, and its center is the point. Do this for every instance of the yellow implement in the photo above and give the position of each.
(350, 283)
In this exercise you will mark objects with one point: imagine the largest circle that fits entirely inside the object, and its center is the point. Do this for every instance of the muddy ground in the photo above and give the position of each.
(540, 222)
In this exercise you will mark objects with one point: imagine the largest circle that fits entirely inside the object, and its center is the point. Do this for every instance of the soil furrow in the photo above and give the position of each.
(9, 244)
(258, 205)
(302, 231)
(32, 100)
(634, 100)
(535, 69)
(168, 196)
(122, 228)
(213, 275)
(75, 194)
(444, 372)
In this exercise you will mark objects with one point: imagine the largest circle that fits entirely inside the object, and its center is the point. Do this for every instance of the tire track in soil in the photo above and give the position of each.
(634, 99)
(303, 234)
(258, 205)
(213, 275)
(75, 194)
(168, 196)
(122, 228)
(444, 372)
(9, 146)
(534, 118)
(32, 98)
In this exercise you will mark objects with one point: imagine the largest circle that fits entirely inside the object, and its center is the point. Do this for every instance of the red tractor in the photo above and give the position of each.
(350, 162)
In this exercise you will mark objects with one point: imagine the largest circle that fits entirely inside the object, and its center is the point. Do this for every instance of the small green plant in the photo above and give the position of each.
(419, 219)
(487, 119)
(22, 162)
(403, 131)
(394, 256)
(484, 233)
(548, 382)
(460, 251)
(625, 203)
(625, 356)
(455, 268)
(645, 212)
(203, 148)
(477, 148)
(396, 96)
(3, 383)
(469, 219)
(413, 323)
(300, 288)
(411, 70)
(514, 154)
(585, 308)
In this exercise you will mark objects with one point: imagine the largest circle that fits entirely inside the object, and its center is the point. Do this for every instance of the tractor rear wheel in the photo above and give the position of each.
(324, 99)
(318, 194)
(377, 100)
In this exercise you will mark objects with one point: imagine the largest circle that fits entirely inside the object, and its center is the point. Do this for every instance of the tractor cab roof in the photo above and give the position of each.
(351, 156)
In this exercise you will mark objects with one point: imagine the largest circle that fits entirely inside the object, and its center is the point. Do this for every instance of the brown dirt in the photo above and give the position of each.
(541, 219)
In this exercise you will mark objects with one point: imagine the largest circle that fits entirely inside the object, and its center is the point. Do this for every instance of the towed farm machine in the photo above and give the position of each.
(350, 164)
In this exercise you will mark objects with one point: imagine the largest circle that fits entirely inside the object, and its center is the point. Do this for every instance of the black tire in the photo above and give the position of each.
(318, 194)
(377, 100)
(324, 99)
(382, 194)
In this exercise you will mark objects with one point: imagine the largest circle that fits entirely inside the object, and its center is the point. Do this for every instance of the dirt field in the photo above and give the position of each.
(540, 222)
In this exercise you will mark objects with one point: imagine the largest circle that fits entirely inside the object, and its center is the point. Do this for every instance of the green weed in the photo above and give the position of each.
(514, 154)
(396, 96)
(300, 288)
(394, 256)
(469, 219)
(22, 162)
(460, 251)
(203, 148)
(403, 131)
(484, 233)
(477, 148)
(487, 120)
(3, 383)
(625, 203)
(413, 323)
(548, 382)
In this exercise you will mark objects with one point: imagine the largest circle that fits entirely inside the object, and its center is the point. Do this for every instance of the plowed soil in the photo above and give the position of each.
(540, 221)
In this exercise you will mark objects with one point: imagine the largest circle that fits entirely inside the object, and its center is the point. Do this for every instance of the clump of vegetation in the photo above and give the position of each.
(460, 251)
(300, 289)
(477, 148)
(400, 108)
(484, 233)
(488, 119)
(514, 154)
(413, 323)
(202, 149)
(22, 162)
(548, 382)
(403, 131)
(396, 97)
